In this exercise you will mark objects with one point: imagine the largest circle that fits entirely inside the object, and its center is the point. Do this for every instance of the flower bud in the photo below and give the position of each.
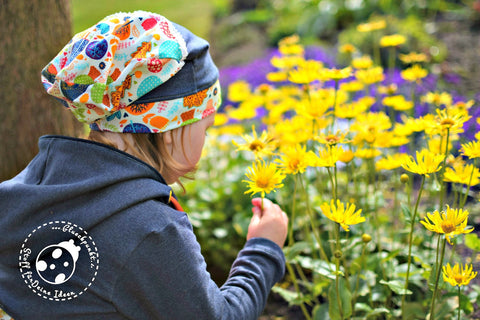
(366, 238)
(404, 178)
(338, 254)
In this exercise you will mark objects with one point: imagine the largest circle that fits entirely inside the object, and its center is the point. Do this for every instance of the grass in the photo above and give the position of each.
(196, 16)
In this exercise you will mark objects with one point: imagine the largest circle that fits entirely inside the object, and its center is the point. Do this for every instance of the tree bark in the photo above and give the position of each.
(33, 32)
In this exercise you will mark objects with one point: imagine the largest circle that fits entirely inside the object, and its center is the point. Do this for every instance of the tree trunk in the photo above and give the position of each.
(33, 32)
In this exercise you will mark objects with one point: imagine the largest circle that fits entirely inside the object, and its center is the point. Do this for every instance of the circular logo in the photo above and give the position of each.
(56, 260)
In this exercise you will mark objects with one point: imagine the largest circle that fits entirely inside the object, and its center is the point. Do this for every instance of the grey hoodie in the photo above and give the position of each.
(89, 232)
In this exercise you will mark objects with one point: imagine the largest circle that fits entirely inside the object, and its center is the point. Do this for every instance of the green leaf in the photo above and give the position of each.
(289, 296)
(396, 286)
(320, 312)
(318, 266)
(377, 311)
(345, 300)
(297, 248)
(407, 214)
(472, 241)
(465, 304)
(292, 297)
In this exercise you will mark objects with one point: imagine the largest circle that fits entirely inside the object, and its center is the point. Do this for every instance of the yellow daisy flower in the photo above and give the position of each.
(290, 45)
(332, 139)
(368, 153)
(289, 40)
(286, 62)
(278, 76)
(335, 74)
(437, 145)
(468, 175)
(328, 157)
(391, 162)
(453, 122)
(246, 110)
(352, 86)
(370, 75)
(346, 156)
(461, 107)
(393, 40)
(369, 126)
(363, 62)
(390, 89)
(372, 26)
(239, 91)
(220, 119)
(398, 103)
(344, 215)
(414, 73)
(449, 222)
(413, 57)
(306, 72)
(292, 131)
(427, 162)
(471, 149)
(260, 146)
(295, 159)
(263, 178)
(347, 48)
(437, 98)
(389, 139)
(351, 110)
(458, 275)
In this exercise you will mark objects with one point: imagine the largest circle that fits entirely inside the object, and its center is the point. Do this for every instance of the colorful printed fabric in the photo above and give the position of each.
(103, 70)
(4, 315)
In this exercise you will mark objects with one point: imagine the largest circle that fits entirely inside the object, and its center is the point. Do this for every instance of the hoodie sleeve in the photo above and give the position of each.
(165, 277)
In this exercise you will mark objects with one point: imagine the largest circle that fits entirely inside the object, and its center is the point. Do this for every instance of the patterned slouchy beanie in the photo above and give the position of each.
(135, 72)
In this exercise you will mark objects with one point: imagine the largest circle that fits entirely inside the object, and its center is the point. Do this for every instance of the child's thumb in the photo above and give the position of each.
(257, 213)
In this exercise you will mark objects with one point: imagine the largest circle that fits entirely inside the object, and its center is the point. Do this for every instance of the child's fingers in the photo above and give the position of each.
(257, 202)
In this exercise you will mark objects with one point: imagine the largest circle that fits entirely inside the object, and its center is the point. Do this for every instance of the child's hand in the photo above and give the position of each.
(271, 224)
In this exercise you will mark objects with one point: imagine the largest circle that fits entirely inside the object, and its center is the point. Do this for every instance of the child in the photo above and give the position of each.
(91, 229)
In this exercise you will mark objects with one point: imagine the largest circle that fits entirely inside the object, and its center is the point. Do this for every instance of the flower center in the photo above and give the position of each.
(458, 278)
(256, 146)
(262, 182)
(332, 139)
(448, 123)
(448, 226)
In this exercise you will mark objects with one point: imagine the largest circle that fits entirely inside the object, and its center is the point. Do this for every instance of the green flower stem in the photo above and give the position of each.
(290, 233)
(337, 273)
(261, 203)
(334, 197)
(410, 240)
(291, 272)
(458, 314)
(357, 281)
(312, 223)
(336, 182)
(437, 278)
(391, 62)
(442, 188)
(334, 106)
(332, 181)
(464, 200)
(376, 49)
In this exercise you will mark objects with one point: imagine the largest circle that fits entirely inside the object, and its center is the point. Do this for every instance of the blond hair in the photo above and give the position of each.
(150, 148)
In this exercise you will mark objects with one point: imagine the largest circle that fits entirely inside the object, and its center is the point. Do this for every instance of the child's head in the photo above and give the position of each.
(143, 76)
